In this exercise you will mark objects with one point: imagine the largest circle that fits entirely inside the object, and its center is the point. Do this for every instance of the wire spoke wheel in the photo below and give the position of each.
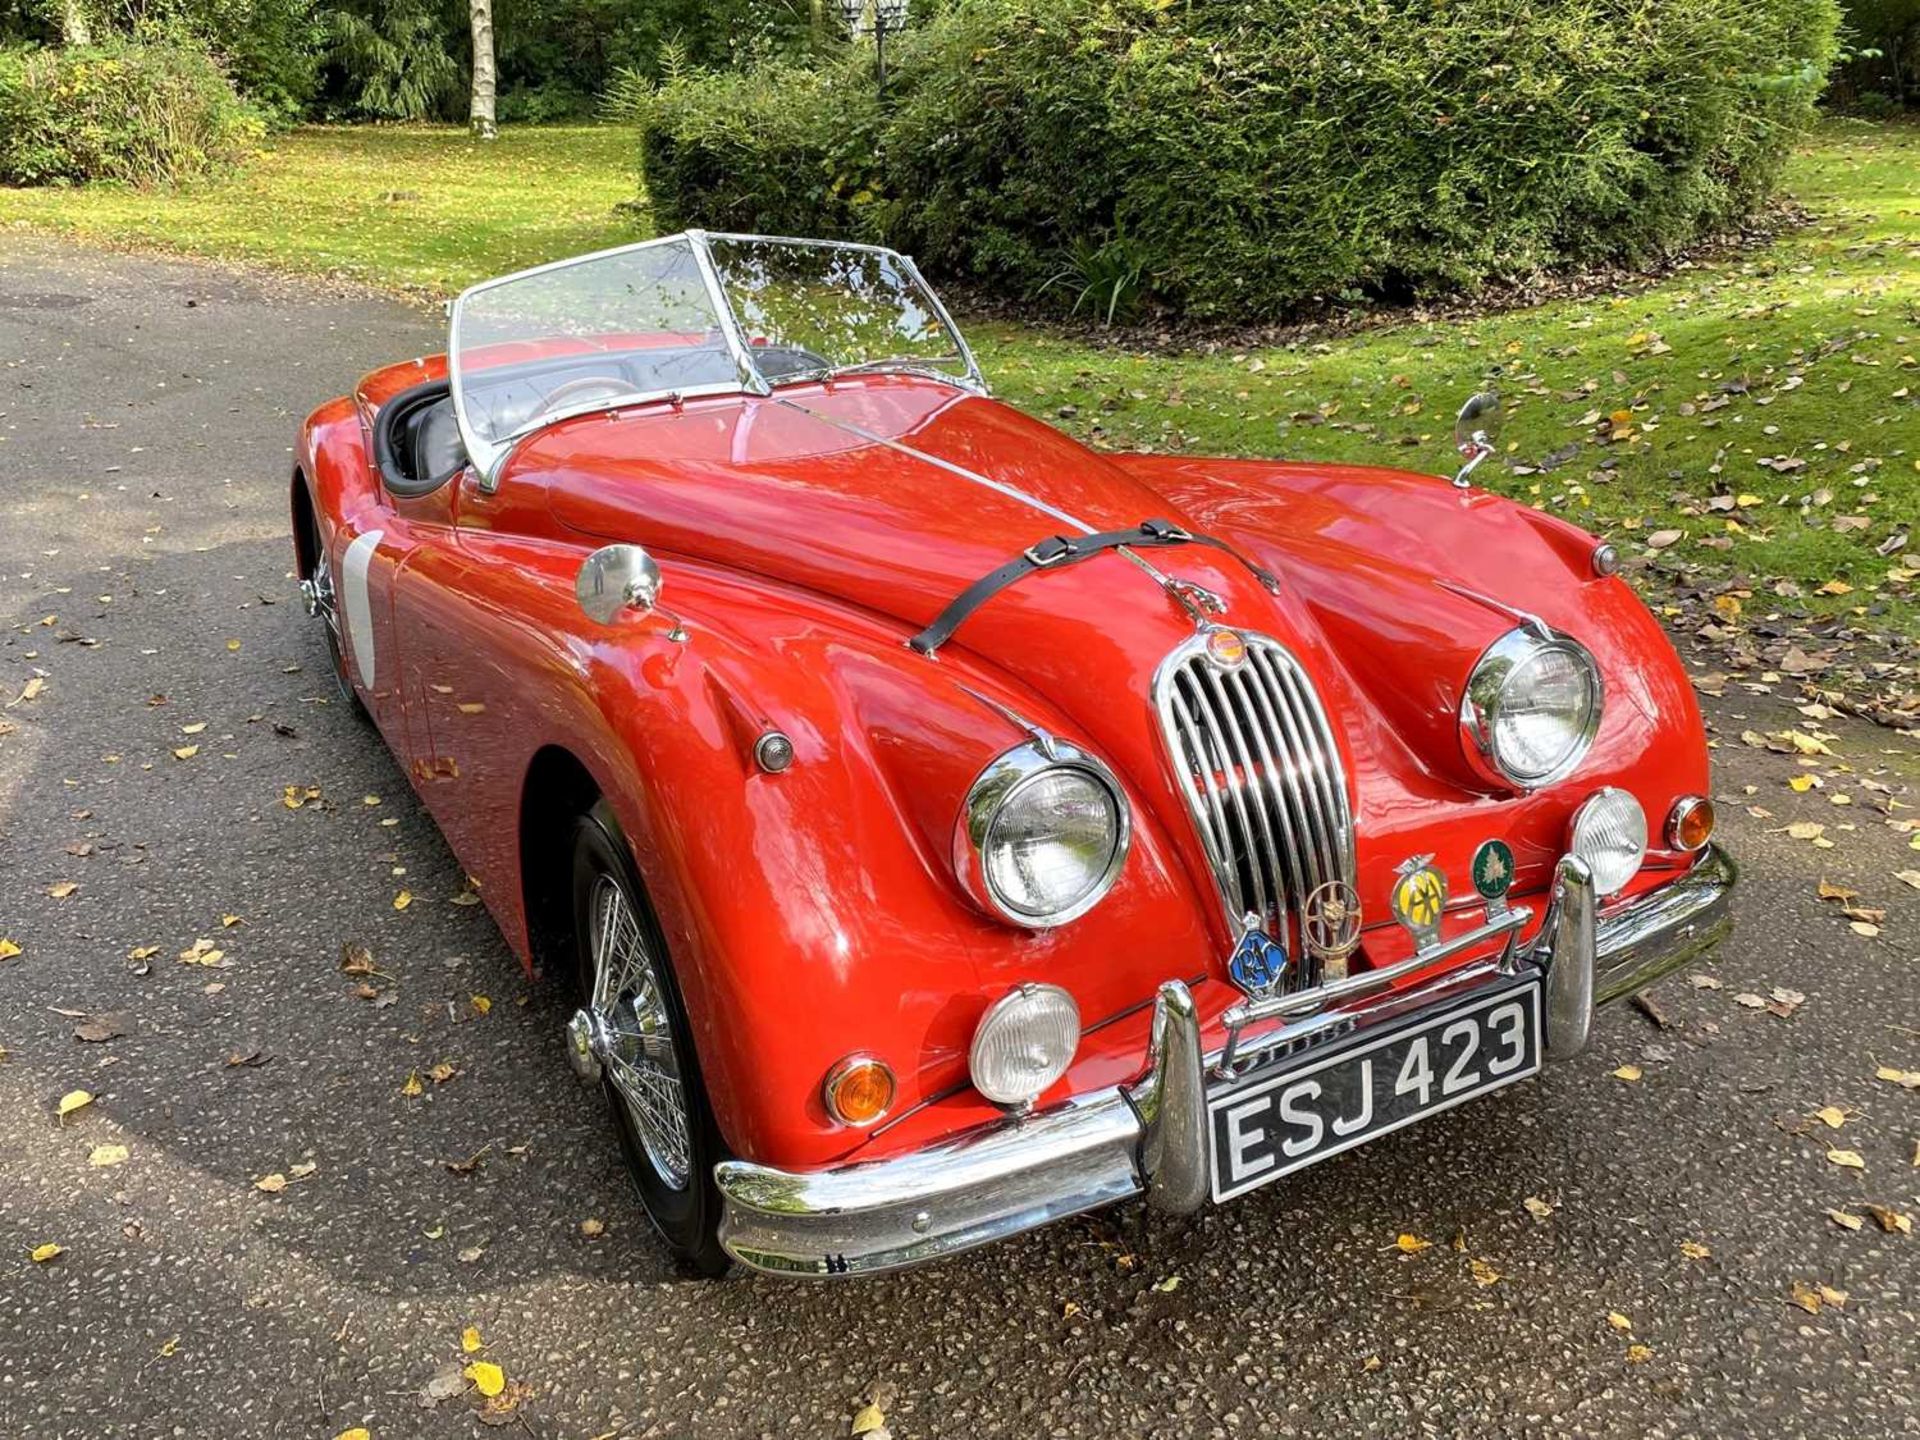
(630, 1012)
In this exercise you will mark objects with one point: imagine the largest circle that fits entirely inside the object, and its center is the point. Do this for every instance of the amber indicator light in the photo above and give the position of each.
(859, 1090)
(1692, 824)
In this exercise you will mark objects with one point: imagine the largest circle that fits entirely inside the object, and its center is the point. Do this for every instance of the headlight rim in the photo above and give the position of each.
(999, 781)
(1486, 684)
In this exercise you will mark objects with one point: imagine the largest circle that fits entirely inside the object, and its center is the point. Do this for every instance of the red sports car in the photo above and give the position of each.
(949, 828)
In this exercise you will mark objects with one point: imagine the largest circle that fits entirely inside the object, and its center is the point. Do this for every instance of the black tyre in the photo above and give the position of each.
(317, 590)
(651, 1074)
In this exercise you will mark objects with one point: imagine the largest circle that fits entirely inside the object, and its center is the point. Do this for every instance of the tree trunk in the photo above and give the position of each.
(480, 113)
(74, 29)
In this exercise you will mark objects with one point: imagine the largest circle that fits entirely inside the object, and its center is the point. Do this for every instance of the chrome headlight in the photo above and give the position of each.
(1531, 708)
(1609, 832)
(1024, 1043)
(1042, 834)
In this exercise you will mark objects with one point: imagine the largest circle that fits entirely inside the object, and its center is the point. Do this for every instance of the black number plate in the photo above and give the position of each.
(1269, 1124)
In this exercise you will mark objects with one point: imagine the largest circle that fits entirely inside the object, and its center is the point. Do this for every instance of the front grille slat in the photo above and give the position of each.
(1208, 813)
(1308, 761)
(1258, 766)
(1280, 785)
(1268, 896)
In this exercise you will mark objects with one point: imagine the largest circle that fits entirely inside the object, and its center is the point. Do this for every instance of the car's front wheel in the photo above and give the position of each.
(632, 1026)
(316, 590)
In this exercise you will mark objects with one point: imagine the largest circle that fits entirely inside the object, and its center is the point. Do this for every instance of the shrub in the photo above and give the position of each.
(118, 111)
(1249, 157)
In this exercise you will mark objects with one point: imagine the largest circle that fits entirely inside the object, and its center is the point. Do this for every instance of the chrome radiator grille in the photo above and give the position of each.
(1262, 776)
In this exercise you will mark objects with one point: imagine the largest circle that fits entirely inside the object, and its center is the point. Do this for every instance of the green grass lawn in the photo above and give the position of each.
(421, 208)
(1766, 404)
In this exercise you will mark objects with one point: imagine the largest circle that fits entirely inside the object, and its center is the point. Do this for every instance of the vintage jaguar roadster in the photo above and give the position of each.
(951, 828)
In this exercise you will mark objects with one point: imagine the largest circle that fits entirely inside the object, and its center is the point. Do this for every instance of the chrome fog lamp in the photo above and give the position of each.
(1024, 1043)
(1042, 834)
(1531, 707)
(1609, 832)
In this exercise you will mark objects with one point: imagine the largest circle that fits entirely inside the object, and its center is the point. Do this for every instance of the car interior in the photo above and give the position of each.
(417, 442)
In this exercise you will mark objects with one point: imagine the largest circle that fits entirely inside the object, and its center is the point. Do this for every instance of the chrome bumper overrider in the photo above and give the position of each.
(1151, 1138)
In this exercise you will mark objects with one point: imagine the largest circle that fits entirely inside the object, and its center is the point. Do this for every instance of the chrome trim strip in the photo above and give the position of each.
(1013, 1175)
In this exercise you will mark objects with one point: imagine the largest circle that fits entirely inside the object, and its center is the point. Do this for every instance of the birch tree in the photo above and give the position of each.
(480, 114)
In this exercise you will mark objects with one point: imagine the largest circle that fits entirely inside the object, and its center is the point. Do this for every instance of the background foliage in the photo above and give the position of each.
(1883, 71)
(1243, 157)
(119, 111)
(408, 59)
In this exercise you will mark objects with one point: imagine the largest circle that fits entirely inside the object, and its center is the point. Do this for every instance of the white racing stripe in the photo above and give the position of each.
(359, 606)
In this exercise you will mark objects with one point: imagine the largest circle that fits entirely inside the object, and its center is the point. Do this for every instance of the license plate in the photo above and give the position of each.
(1270, 1124)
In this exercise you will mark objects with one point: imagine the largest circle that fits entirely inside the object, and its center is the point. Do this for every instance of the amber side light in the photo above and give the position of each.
(859, 1090)
(1690, 826)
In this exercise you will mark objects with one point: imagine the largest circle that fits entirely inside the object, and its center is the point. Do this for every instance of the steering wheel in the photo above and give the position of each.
(583, 388)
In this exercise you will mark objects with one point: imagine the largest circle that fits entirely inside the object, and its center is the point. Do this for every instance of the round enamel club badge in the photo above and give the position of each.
(1493, 870)
(1419, 898)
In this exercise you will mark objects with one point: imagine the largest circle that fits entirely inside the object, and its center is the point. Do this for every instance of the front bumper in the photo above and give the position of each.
(1150, 1138)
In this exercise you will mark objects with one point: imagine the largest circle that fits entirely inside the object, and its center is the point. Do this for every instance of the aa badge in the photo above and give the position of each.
(1419, 897)
(1330, 927)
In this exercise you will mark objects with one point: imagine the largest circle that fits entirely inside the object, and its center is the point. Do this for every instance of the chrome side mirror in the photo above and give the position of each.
(620, 577)
(1473, 429)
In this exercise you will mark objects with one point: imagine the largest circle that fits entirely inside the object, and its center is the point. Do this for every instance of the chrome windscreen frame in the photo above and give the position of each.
(488, 456)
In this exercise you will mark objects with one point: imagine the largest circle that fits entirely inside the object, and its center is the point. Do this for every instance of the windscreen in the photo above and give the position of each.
(819, 308)
(586, 334)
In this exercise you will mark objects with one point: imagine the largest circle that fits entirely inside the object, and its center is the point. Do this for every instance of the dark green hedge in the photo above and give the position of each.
(1247, 157)
(117, 111)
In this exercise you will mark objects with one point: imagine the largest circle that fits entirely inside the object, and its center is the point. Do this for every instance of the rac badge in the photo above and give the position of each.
(1419, 897)
(1493, 874)
(1330, 927)
(1258, 961)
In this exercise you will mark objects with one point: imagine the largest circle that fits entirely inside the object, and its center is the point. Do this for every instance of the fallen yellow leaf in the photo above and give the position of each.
(272, 1184)
(1484, 1273)
(186, 752)
(1805, 1296)
(1694, 1250)
(1890, 1220)
(358, 1432)
(413, 1086)
(1412, 1244)
(481, 1004)
(1844, 1220)
(102, 1156)
(470, 1339)
(1832, 1116)
(443, 1072)
(403, 899)
(1638, 1354)
(1619, 1322)
(1800, 784)
(489, 1379)
(1905, 1079)
(1627, 1072)
(71, 1101)
(61, 889)
(869, 1418)
(8, 949)
(1847, 1159)
(592, 1228)
(41, 1254)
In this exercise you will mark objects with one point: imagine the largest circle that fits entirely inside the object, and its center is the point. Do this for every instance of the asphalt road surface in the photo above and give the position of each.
(146, 413)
